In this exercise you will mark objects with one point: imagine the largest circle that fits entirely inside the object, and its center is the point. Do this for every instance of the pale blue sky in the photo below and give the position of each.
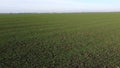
(59, 6)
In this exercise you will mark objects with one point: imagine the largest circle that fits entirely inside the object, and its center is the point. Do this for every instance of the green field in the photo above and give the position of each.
(85, 40)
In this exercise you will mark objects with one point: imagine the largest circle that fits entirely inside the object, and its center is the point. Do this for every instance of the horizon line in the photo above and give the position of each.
(57, 12)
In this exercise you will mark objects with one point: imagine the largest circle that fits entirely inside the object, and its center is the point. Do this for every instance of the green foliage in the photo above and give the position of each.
(87, 40)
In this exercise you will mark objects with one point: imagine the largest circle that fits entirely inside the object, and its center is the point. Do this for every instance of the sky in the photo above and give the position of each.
(45, 6)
